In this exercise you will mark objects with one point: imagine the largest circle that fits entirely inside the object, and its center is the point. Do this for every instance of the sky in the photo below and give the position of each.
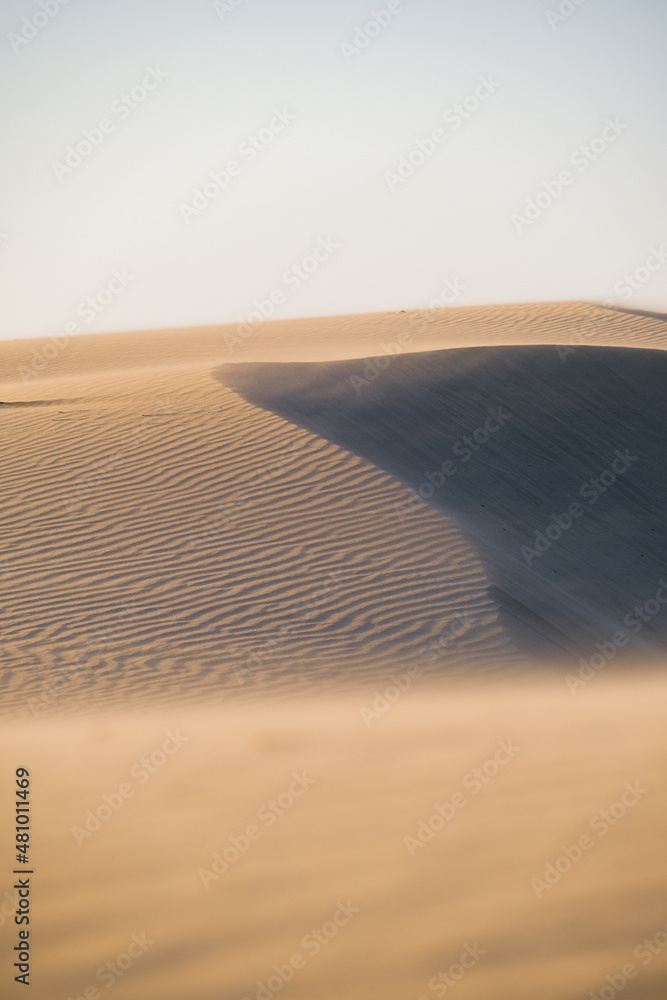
(174, 163)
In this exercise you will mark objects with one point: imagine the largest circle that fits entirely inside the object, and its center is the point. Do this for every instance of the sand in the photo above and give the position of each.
(551, 465)
(198, 540)
(150, 868)
(166, 539)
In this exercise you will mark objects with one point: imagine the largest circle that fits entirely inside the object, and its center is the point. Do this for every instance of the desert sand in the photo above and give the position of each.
(225, 534)
(495, 875)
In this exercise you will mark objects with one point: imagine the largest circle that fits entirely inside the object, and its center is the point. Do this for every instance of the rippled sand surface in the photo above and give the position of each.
(165, 540)
(288, 729)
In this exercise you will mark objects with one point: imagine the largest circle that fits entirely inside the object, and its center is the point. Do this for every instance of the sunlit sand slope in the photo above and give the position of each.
(328, 338)
(162, 539)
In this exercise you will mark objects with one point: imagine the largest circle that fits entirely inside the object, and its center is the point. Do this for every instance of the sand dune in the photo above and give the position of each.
(552, 465)
(165, 538)
(329, 338)
(168, 543)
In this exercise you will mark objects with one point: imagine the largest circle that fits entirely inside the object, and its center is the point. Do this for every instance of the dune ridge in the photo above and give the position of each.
(159, 532)
(328, 338)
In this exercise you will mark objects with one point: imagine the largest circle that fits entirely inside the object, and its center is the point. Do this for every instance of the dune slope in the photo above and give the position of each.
(552, 464)
(164, 539)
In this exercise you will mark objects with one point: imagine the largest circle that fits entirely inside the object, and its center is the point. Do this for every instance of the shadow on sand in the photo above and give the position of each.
(551, 461)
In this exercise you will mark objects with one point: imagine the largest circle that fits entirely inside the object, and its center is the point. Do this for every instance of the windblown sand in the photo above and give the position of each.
(166, 540)
(185, 550)
(343, 839)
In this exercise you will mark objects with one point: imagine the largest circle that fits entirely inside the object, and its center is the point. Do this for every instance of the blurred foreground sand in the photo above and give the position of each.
(363, 789)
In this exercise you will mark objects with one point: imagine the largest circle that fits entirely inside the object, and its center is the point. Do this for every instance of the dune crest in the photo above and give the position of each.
(166, 538)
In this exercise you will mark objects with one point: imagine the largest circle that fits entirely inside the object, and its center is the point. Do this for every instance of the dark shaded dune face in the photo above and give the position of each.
(551, 460)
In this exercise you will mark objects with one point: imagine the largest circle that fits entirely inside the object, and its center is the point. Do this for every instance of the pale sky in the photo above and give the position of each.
(117, 111)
